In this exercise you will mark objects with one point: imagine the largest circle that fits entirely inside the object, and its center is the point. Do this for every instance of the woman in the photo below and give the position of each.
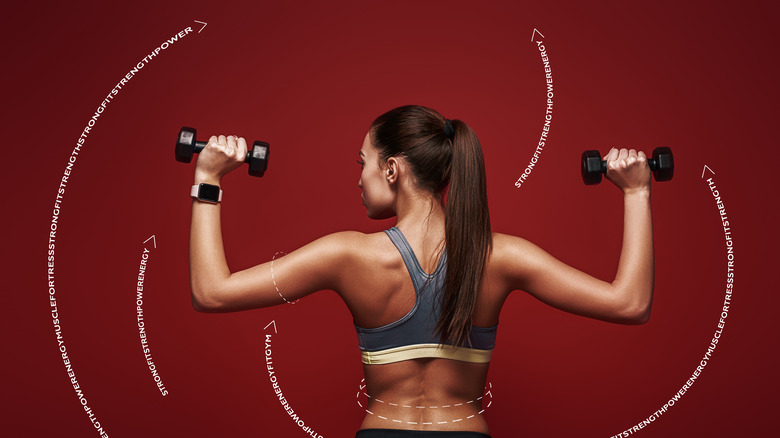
(425, 295)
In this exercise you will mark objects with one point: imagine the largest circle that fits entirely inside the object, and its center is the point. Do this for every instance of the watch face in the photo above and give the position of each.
(209, 192)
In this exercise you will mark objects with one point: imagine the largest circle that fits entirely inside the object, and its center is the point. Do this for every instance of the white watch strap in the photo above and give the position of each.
(196, 188)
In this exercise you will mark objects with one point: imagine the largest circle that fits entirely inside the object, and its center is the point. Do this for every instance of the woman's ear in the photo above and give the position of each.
(391, 170)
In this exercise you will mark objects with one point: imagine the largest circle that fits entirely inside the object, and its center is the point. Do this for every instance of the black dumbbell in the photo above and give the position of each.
(186, 145)
(662, 165)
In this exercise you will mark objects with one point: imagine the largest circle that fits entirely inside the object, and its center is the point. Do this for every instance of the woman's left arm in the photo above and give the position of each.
(628, 298)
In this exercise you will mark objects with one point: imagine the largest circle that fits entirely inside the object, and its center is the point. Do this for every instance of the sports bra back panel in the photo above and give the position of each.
(414, 335)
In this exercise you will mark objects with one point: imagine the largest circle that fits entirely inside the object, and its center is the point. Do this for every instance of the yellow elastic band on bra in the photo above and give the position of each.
(419, 351)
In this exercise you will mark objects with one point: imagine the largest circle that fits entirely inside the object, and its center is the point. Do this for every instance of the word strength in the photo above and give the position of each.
(139, 310)
(547, 117)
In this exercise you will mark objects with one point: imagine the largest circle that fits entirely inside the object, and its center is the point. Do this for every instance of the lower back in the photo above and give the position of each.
(425, 394)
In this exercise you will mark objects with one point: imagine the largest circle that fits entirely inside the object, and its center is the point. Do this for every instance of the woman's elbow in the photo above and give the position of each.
(201, 306)
(205, 300)
(635, 313)
(633, 307)
(638, 316)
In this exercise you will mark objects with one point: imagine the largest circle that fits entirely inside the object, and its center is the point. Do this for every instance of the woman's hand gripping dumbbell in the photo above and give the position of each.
(661, 163)
(186, 145)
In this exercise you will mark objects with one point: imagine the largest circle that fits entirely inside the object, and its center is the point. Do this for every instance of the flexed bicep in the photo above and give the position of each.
(531, 269)
(314, 267)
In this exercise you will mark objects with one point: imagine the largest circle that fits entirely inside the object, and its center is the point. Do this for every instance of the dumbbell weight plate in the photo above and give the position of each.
(258, 158)
(185, 144)
(664, 164)
(591, 167)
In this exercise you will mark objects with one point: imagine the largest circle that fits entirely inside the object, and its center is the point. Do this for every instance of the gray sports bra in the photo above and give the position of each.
(414, 335)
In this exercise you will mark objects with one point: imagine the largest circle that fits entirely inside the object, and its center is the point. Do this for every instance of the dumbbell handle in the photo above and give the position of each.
(200, 145)
(650, 162)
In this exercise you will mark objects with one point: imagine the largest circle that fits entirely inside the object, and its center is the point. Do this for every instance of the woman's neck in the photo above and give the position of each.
(421, 219)
(419, 209)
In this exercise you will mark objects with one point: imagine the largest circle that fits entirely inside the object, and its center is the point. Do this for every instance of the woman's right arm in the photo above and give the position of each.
(628, 298)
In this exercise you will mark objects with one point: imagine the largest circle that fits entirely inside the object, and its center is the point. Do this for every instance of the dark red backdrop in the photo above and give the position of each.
(309, 78)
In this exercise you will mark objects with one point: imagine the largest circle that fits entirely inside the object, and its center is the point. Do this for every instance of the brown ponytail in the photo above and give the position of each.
(468, 238)
(452, 164)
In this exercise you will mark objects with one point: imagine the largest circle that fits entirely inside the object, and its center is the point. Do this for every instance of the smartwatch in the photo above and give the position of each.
(206, 193)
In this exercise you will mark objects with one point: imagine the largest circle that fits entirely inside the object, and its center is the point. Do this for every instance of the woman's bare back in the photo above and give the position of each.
(422, 394)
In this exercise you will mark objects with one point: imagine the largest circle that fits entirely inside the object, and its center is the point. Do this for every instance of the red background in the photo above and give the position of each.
(309, 78)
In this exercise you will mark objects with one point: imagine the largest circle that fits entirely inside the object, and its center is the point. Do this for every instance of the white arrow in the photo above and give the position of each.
(705, 169)
(154, 241)
(203, 23)
(534, 33)
(269, 324)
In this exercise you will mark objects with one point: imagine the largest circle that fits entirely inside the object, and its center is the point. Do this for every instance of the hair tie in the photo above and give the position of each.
(449, 131)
